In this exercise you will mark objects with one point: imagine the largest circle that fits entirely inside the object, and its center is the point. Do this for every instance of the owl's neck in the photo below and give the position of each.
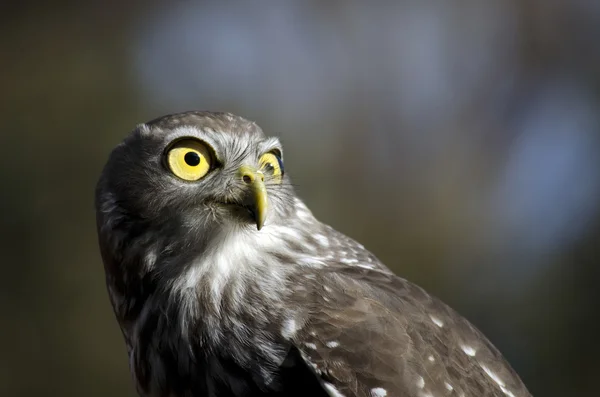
(235, 264)
(232, 269)
(241, 269)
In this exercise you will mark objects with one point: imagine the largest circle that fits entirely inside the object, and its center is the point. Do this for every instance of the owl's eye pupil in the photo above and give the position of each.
(192, 159)
(269, 167)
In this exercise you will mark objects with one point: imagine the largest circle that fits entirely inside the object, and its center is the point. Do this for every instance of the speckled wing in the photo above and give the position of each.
(370, 333)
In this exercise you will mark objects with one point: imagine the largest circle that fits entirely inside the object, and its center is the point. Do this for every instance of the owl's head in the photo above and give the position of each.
(198, 171)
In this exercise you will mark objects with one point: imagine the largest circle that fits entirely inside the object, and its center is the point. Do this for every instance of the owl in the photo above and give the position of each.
(225, 284)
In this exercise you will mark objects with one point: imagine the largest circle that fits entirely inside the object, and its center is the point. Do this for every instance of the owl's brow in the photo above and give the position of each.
(270, 144)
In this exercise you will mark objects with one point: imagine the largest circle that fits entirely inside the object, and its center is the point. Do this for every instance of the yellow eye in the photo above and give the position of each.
(189, 159)
(272, 166)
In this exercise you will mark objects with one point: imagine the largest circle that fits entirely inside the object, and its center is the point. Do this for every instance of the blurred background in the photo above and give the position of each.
(458, 140)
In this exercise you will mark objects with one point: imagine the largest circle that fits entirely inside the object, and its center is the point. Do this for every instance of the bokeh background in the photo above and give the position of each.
(458, 140)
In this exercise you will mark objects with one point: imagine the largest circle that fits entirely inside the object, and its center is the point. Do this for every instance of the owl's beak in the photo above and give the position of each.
(258, 204)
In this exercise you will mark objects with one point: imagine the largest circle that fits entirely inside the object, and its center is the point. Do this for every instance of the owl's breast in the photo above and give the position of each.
(204, 355)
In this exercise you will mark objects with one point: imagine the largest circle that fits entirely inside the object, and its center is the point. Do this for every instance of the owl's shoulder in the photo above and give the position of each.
(372, 333)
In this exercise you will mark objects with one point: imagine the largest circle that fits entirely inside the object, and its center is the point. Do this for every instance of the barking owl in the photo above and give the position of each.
(225, 284)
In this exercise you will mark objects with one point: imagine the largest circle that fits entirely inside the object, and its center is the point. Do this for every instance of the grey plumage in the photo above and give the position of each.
(209, 305)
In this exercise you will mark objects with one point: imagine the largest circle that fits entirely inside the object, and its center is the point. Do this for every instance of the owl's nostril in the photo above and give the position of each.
(247, 178)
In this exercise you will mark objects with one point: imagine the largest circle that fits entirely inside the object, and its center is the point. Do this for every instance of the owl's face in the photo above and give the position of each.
(199, 173)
